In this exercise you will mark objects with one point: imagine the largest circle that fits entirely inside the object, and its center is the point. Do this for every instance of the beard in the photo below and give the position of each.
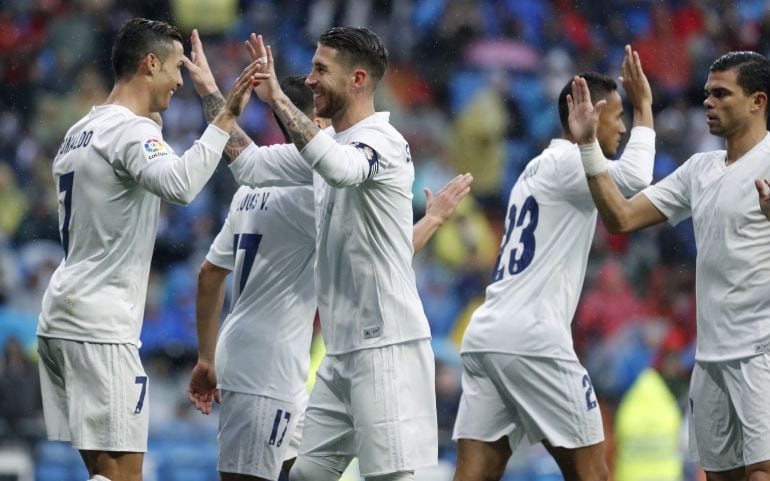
(333, 104)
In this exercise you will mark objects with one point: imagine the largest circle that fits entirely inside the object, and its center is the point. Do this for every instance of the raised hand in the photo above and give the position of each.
(442, 205)
(268, 90)
(583, 115)
(634, 80)
(239, 95)
(202, 390)
(198, 67)
(764, 196)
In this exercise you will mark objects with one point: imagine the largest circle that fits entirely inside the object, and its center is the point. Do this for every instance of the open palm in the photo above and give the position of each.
(583, 115)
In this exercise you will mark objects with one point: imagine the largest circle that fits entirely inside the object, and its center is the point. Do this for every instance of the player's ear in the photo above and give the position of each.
(359, 79)
(149, 64)
(760, 101)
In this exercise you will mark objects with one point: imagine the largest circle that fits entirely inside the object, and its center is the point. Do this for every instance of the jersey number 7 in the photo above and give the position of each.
(66, 182)
(249, 243)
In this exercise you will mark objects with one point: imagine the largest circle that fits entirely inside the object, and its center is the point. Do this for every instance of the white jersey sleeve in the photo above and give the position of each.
(221, 252)
(275, 165)
(633, 171)
(141, 153)
(671, 196)
(350, 164)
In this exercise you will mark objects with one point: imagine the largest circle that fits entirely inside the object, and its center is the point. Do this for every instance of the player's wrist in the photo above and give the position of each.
(276, 98)
(435, 219)
(205, 359)
(592, 157)
(208, 89)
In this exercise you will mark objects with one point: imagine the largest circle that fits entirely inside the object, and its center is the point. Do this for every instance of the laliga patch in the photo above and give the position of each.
(154, 148)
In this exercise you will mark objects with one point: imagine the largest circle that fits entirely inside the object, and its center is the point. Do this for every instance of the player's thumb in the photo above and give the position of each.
(761, 187)
(428, 195)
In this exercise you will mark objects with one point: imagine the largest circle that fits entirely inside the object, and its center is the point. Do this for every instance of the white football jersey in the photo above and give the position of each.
(538, 276)
(732, 271)
(111, 171)
(268, 241)
(367, 295)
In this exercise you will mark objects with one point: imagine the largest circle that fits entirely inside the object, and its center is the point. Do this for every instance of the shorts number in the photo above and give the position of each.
(250, 244)
(143, 381)
(523, 250)
(276, 426)
(65, 185)
(590, 403)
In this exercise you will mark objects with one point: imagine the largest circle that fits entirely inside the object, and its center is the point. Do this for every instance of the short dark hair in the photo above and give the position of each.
(300, 95)
(136, 39)
(753, 70)
(358, 46)
(599, 85)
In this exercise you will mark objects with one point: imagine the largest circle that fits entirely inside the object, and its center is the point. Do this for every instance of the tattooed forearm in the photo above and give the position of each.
(213, 103)
(237, 143)
(301, 129)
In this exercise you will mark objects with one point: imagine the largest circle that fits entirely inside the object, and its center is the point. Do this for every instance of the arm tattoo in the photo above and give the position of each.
(237, 143)
(213, 103)
(301, 129)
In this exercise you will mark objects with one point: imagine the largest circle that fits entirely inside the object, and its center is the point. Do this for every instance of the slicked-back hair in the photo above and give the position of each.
(136, 39)
(599, 85)
(358, 47)
(300, 95)
(753, 71)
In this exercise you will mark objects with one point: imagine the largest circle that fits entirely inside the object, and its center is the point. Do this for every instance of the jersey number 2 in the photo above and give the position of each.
(274, 439)
(522, 252)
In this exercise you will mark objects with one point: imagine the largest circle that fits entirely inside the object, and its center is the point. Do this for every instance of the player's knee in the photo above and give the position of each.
(737, 474)
(311, 469)
(397, 476)
(467, 472)
(758, 472)
(597, 471)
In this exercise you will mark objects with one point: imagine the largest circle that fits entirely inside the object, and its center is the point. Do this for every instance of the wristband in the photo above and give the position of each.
(594, 162)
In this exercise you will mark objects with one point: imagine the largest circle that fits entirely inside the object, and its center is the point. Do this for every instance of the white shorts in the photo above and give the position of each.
(95, 396)
(257, 434)
(509, 395)
(730, 418)
(378, 404)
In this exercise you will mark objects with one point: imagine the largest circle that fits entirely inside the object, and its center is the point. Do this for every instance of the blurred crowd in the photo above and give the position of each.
(472, 86)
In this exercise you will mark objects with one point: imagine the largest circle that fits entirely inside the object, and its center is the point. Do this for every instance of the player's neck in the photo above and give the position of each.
(741, 142)
(356, 112)
(131, 96)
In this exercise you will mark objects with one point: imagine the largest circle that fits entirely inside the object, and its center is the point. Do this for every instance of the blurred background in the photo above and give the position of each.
(472, 86)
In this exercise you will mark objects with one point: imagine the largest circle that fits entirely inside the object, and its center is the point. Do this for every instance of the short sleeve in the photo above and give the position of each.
(672, 195)
(221, 251)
